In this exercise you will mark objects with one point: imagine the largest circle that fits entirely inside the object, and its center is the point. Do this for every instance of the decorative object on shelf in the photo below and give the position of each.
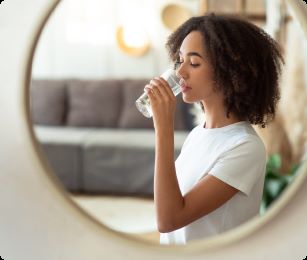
(132, 41)
(173, 15)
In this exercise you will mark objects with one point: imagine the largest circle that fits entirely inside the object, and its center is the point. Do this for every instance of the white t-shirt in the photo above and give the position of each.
(236, 155)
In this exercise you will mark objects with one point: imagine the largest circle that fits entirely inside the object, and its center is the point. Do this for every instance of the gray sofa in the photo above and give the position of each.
(94, 138)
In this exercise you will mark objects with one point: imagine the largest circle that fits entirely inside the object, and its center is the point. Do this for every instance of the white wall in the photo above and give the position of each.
(79, 39)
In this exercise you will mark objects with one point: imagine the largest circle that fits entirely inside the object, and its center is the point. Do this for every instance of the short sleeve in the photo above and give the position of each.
(241, 165)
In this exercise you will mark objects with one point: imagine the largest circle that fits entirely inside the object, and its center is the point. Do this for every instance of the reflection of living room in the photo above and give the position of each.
(83, 88)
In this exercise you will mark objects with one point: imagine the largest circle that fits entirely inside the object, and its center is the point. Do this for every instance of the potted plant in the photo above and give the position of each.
(275, 181)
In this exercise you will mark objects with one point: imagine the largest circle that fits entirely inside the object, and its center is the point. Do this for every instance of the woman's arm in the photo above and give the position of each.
(174, 211)
(167, 195)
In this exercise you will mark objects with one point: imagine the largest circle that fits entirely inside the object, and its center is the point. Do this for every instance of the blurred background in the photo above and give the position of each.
(92, 62)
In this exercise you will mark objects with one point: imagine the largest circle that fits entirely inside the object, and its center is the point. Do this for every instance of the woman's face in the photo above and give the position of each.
(196, 71)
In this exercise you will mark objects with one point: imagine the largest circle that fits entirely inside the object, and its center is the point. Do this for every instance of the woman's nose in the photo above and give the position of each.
(180, 72)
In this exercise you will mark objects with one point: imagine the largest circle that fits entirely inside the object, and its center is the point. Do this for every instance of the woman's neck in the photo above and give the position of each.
(215, 117)
(215, 123)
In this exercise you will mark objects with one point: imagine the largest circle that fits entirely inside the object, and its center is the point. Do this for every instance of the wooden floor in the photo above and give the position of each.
(131, 215)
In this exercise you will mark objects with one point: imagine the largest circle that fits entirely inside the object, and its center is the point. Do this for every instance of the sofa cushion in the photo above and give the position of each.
(93, 103)
(130, 116)
(62, 147)
(119, 161)
(48, 102)
(65, 162)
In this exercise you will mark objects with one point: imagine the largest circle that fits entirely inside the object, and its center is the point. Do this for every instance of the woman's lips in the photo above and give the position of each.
(185, 88)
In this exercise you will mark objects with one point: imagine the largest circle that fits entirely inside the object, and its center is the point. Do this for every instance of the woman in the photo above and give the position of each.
(231, 67)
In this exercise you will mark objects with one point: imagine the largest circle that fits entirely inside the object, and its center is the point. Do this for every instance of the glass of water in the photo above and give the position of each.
(143, 104)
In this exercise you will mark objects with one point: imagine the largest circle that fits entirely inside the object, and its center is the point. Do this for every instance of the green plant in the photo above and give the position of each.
(275, 181)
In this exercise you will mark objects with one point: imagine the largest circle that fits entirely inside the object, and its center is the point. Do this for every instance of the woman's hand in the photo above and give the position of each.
(163, 103)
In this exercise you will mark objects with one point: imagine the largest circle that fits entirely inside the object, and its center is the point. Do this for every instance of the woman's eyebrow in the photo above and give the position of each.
(192, 53)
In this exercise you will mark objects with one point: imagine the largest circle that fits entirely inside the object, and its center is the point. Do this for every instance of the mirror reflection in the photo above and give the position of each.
(102, 149)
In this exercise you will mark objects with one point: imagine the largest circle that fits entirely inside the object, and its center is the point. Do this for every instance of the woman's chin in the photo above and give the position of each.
(187, 99)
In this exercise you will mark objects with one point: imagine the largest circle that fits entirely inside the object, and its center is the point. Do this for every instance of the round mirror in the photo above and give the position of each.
(98, 145)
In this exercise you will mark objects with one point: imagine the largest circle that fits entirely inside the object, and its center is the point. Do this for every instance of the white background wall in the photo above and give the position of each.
(79, 39)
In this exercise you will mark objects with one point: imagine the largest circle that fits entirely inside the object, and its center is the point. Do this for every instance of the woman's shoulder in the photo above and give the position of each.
(250, 143)
(244, 135)
(237, 133)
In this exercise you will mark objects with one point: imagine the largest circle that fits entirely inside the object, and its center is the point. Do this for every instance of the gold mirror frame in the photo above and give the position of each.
(42, 222)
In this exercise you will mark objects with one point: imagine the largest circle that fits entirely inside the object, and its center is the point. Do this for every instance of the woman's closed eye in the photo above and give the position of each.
(179, 62)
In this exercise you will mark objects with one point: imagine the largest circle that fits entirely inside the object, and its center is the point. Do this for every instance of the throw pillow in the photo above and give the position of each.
(130, 116)
(93, 103)
(48, 102)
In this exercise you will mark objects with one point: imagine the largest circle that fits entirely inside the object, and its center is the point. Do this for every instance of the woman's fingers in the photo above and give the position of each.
(149, 88)
(162, 88)
(162, 103)
(167, 87)
(150, 93)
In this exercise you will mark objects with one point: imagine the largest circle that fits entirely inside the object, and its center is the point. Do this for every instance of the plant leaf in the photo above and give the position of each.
(274, 162)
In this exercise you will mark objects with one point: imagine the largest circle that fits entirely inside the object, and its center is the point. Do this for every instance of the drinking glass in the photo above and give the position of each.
(143, 104)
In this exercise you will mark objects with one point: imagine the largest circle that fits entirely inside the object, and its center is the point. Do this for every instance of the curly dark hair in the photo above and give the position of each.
(247, 63)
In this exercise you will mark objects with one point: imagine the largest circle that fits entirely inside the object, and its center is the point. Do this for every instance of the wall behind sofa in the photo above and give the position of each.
(79, 39)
